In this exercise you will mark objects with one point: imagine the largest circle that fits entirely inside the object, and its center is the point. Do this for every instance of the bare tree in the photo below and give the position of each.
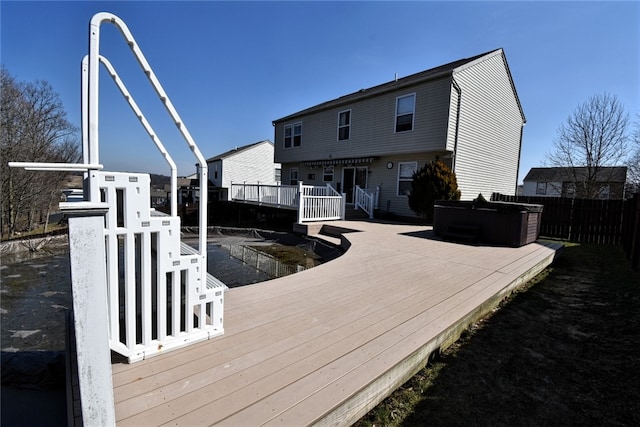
(33, 128)
(633, 165)
(593, 138)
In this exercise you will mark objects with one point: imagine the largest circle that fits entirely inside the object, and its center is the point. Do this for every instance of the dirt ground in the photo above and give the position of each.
(563, 351)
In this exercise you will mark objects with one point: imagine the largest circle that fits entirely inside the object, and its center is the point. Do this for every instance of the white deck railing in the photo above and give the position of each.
(313, 203)
(317, 203)
(273, 195)
(366, 199)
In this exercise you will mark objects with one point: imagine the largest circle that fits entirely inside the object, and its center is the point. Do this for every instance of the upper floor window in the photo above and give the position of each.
(344, 125)
(405, 177)
(293, 135)
(541, 188)
(278, 175)
(405, 108)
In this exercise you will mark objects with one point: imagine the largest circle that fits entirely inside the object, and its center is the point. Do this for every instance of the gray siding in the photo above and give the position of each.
(482, 125)
(489, 130)
(373, 127)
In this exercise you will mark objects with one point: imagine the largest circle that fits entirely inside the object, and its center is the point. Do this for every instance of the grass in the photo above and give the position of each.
(563, 350)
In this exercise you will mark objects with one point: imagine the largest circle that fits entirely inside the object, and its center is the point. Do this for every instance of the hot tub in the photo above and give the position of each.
(494, 223)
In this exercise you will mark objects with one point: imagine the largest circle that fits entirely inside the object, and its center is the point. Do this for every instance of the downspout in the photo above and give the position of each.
(455, 138)
(519, 154)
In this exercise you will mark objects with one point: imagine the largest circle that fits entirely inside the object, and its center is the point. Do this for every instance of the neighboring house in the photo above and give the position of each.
(251, 163)
(188, 190)
(570, 182)
(159, 197)
(465, 113)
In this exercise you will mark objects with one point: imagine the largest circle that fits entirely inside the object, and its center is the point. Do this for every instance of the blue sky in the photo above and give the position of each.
(231, 68)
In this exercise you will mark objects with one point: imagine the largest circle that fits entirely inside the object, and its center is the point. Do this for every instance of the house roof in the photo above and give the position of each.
(446, 70)
(237, 150)
(606, 174)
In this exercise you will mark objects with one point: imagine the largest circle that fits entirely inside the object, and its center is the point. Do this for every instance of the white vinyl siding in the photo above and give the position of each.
(252, 165)
(489, 131)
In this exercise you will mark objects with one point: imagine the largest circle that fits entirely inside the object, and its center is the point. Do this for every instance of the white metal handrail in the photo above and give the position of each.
(93, 118)
(366, 199)
(147, 127)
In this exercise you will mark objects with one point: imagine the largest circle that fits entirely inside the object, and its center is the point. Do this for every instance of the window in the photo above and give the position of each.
(541, 188)
(405, 177)
(278, 174)
(293, 135)
(328, 174)
(605, 191)
(405, 106)
(344, 125)
(568, 189)
(293, 176)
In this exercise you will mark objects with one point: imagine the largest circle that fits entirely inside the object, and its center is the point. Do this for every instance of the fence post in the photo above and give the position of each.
(343, 206)
(89, 290)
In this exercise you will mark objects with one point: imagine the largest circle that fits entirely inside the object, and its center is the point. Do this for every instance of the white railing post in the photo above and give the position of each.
(89, 289)
(300, 203)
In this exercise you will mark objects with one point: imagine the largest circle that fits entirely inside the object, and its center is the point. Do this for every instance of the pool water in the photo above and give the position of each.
(35, 289)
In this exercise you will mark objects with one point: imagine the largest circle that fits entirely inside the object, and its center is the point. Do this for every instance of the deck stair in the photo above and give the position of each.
(157, 302)
(212, 282)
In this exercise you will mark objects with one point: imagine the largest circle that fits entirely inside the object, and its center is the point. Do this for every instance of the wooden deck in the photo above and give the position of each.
(325, 345)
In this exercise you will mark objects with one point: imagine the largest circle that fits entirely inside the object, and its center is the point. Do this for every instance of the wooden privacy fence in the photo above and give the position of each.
(615, 222)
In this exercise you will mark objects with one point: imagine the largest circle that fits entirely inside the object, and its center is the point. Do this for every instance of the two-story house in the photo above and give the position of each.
(249, 163)
(465, 113)
(607, 182)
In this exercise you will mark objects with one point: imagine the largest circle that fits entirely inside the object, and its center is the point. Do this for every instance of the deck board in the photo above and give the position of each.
(323, 345)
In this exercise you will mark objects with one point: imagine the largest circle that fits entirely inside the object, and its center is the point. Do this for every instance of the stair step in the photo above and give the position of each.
(212, 282)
